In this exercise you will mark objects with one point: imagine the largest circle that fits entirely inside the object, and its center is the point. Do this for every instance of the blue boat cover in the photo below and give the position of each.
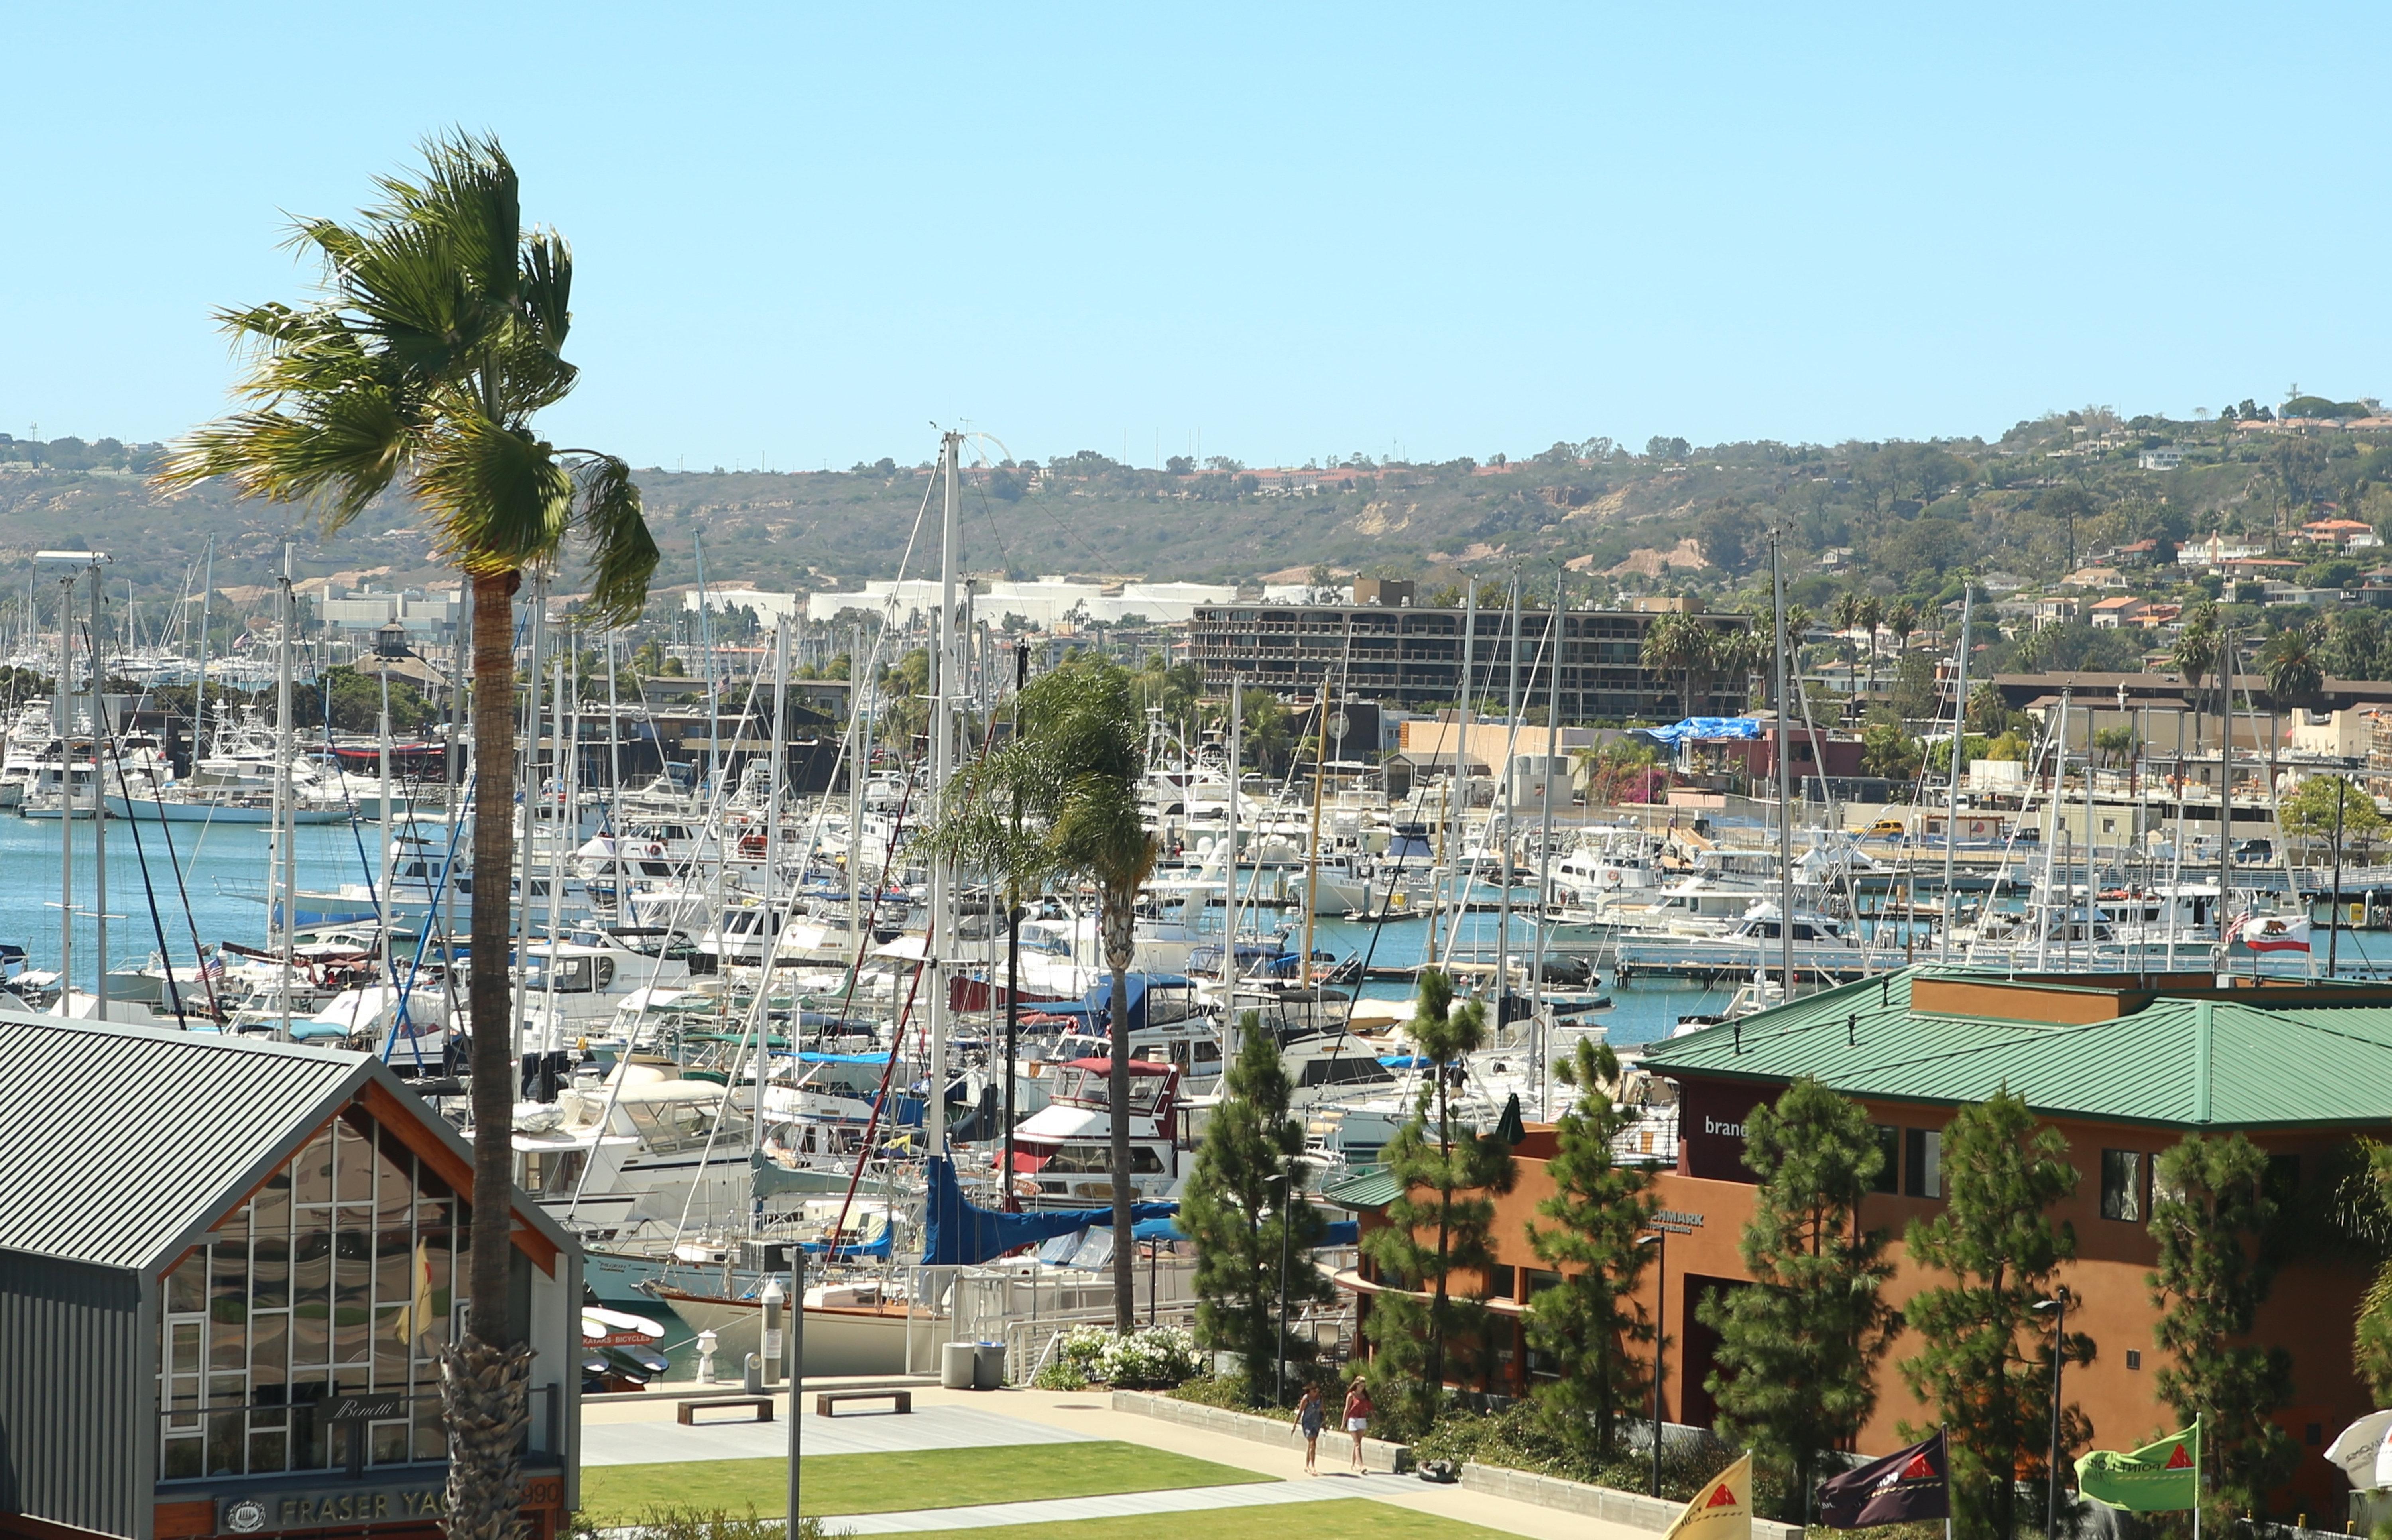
(959, 1234)
(1706, 728)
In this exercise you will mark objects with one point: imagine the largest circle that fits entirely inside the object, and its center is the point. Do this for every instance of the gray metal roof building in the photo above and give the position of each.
(225, 1269)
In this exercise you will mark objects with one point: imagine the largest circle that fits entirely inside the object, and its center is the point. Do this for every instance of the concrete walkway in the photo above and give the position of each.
(850, 1432)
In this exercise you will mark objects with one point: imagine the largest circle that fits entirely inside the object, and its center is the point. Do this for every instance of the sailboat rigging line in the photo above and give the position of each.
(157, 924)
(348, 804)
(433, 893)
(864, 931)
(1510, 743)
(881, 1099)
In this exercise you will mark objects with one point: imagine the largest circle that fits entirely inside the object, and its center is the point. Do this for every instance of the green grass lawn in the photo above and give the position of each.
(1355, 1518)
(889, 1483)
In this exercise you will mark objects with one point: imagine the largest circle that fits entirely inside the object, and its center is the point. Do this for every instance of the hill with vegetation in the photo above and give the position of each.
(1674, 517)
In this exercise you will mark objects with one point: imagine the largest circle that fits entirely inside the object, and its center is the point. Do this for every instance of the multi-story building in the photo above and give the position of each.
(1412, 658)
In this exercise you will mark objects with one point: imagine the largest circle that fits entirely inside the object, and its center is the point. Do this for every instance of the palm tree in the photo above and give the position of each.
(2196, 653)
(436, 339)
(1845, 615)
(1872, 617)
(2295, 679)
(1677, 643)
(1904, 618)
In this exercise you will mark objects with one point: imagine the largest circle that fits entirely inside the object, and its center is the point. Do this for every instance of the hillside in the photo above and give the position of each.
(1914, 514)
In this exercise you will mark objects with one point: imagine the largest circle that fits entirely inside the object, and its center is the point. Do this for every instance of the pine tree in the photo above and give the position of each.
(1800, 1345)
(1234, 1209)
(2210, 1211)
(1987, 1364)
(1412, 1338)
(1590, 1323)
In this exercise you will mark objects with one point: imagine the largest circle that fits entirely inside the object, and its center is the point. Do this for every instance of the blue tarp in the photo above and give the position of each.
(957, 1233)
(810, 1056)
(1159, 1229)
(1708, 728)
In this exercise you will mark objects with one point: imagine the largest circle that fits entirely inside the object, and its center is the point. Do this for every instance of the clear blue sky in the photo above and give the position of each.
(805, 233)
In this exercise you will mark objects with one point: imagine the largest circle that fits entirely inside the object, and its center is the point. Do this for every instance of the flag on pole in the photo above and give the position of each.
(2158, 1478)
(1905, 1486)
(2364, 1451)
(2272, 932)
(1720, 1508)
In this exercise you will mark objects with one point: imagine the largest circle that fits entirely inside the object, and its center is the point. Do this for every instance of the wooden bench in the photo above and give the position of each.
(686, 1414)
(902, 1401)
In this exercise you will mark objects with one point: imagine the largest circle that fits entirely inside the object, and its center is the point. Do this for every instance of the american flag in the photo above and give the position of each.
(212, 967)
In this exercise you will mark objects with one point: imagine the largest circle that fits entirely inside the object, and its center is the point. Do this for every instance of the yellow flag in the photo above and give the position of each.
(416, 1315)
(1720, 1508)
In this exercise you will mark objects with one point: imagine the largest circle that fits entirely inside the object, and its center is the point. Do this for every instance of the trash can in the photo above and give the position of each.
(988, 1373)
(957, 1362)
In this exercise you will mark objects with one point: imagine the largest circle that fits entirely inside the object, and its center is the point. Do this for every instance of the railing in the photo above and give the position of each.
(332, 1433)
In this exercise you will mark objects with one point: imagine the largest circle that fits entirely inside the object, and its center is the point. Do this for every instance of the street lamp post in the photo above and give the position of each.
(2058, 1305)
(1659, 1240)
(797, 1371)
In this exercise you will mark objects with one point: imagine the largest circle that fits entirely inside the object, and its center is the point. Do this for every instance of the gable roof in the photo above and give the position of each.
(126, 1143)
(2171, 1055)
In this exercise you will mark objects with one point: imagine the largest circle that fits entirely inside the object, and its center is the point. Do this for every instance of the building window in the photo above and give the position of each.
(1501, 1282)
(1922, 1162)
(336, 1277)
(1888, 1144)
(2121, 1184)
(1541, 1365)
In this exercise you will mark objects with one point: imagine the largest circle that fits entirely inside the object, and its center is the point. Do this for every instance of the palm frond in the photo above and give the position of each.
(547, 285)
(623, 553)
(335, 460)
(501, 498)
(467, 191)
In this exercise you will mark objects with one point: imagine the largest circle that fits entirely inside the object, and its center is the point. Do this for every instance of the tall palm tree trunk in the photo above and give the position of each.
(485, 1378)
(1120, 928)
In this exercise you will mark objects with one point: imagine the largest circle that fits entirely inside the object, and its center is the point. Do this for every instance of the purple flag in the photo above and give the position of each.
(1906, 1485)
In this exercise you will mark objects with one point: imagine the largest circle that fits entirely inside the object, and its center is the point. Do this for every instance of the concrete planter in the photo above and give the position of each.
(1633, 1509)
(1376, 1453)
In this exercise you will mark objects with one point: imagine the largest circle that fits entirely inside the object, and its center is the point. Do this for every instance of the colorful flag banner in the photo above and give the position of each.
(2158, 1478)
(1907, 1486)
(2272, 932)
(1720, 1508)
(2364, 1451)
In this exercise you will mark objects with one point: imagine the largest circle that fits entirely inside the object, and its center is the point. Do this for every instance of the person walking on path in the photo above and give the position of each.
(1358, 1420)
(1308, 1412)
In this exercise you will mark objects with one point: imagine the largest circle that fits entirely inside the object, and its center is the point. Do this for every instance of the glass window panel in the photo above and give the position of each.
(183, 1353)
(270, 1451)
(269, 1272)
(393, 1179)
(354, 1176)
(431, 1440)
(226, 1434)
(311, 1297)
(269, 1212)
(182, 1460)
(2121, 1184)
(186, 1286)
(185, 1397)
(351, 1295)
(390, 1443)
(312, 1171)
(228, 1342)
(269, 1349)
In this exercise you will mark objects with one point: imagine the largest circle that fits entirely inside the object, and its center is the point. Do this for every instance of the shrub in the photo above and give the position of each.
(1156, 1359)
(674, 1524)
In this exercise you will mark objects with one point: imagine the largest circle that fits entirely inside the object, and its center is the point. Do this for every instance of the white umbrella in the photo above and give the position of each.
(2363, 1451)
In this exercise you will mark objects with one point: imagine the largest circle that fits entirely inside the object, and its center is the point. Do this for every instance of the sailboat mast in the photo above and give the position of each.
(773, 917)
(200, 690)
(1230, 900)
(1545, 832)
(1951, 790)
(287, 895)
(521, 877)
(943, 682)
(1785, 777)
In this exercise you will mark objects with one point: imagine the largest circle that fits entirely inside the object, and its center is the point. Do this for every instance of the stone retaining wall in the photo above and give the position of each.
(1376, 1453)
(1631, 1508)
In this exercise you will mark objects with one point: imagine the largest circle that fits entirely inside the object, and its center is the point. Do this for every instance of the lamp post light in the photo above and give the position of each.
(1659, 1240)
(2058, 1305)
(797, 1372)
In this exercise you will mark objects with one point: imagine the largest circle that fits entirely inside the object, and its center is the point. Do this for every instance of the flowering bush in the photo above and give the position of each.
(1155, 1359)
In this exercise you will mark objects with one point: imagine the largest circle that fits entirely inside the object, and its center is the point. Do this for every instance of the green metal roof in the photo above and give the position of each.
(2182, 1062)
(1375, 1189)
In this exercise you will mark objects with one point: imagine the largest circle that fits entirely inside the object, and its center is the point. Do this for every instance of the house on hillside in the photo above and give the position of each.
(2110, 614)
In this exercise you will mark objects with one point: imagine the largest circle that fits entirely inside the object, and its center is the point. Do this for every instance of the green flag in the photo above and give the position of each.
(2158, 1478)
